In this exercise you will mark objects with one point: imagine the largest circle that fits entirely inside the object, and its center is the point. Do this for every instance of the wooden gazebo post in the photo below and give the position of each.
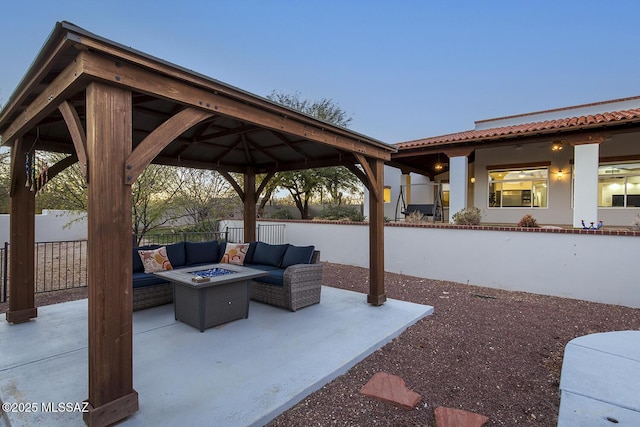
(250, 201)
(109, 133)
(22, 240)
(377, 294)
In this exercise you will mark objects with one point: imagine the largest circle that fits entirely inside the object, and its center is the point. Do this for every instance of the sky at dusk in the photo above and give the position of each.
(402, 70)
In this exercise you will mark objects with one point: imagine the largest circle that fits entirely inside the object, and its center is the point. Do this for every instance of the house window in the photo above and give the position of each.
(518, 188)
(619, 185)
(386, 194)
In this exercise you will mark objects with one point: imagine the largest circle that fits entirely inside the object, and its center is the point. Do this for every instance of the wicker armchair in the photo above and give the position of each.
(301, 286)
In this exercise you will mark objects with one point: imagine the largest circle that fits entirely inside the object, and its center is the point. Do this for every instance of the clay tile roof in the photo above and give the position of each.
(525, 129)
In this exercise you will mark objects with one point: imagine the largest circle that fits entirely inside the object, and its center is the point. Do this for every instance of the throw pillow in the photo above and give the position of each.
(155, 260)
(234, 253)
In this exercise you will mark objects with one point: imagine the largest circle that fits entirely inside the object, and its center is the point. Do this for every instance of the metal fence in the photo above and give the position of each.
(169, 238)
(58, 266)
(267, 233)
(63, 265)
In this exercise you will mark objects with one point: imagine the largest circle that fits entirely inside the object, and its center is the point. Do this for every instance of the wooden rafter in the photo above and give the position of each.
(291, 145)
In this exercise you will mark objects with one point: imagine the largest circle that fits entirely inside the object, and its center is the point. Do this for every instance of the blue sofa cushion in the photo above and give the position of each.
(176, 255)
(275, 277)
(201, 253)
(248, 258)
(141, 279)
(297, 255)
(267, 254)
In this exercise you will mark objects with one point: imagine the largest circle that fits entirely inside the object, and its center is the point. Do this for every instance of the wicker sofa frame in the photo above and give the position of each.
(151, 296)
(301, 287)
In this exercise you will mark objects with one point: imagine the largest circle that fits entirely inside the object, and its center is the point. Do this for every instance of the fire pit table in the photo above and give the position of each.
(210, 295)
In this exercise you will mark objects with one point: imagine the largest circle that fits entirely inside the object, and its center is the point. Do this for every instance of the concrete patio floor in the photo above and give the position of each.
(243, 373)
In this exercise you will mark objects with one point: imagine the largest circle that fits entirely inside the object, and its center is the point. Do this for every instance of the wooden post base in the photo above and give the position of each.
(21, 316)
(111, 412)
(377, 300)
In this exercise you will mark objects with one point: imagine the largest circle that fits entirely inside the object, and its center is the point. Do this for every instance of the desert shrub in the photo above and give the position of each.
(415, 216)
(281, 214)
(528, 221)
(344, 213)
(467, 216)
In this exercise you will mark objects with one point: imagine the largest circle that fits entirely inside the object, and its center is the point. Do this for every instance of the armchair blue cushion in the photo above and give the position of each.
(297, 255)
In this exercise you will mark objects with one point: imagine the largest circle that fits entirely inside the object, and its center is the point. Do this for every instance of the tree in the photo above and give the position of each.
(65, 191)
(205, 196)
(153, 199)
(303, 185)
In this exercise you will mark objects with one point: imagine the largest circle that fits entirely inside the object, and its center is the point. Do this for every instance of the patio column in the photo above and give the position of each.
(109, 139)
(249, 206)
(377, 295)
(22, 241)
(458, 179)
(585, 193)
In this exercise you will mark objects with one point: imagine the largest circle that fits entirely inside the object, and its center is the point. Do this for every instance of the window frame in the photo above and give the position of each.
(612, 163)
(519, 169)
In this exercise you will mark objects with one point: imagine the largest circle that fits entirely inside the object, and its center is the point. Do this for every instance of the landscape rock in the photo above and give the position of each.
(392, 389)
(450, 417)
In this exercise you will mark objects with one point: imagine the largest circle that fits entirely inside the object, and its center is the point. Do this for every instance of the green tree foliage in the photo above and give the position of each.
(205, 197)
(304, 185)
(153, 199)
(65, 191)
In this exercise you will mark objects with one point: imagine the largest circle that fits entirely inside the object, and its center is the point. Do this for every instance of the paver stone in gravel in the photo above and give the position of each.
(450, 417)
(392, 389)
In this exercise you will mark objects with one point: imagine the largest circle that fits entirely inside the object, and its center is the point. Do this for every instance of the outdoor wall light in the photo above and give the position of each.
(559, 174)
(438, 166)
(556, 146)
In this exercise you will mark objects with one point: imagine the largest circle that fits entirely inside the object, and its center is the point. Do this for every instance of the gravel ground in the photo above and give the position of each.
(492, 352)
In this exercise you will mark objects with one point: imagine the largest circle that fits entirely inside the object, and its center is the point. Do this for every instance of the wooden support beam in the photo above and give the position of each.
(157, 140)
(377, 295)
(233, 183)
(22, 241)
(371, 175)
(78, 134)
(109, 128)
(250, 201)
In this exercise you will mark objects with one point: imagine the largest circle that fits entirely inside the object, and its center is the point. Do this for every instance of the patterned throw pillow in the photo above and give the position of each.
(155, 260)
(235, 253)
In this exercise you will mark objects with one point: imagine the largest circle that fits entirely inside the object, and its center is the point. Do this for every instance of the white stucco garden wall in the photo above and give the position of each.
(590, 267)
(52, 226)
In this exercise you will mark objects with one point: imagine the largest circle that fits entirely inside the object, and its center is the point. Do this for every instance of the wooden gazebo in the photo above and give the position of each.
(115, 110)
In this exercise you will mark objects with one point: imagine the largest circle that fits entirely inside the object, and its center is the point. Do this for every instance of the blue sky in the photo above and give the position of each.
(403, 70)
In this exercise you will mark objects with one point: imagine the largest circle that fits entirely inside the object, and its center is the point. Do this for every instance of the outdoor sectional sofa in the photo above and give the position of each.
(294, 280)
